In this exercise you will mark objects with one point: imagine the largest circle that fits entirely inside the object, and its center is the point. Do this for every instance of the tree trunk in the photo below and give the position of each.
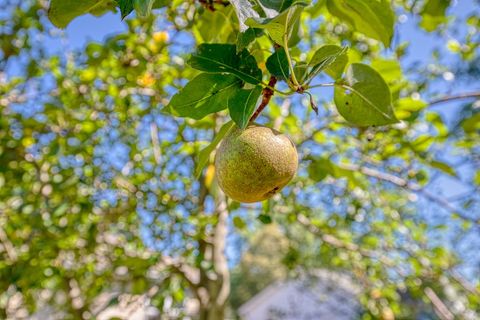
(212, 313)
(216, 284)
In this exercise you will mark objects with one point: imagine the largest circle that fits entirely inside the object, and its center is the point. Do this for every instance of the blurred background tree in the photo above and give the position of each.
(97, 187)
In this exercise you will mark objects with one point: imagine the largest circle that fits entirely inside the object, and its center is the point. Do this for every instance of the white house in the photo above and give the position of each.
(325, 295)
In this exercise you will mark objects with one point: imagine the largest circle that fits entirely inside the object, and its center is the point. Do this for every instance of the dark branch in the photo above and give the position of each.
(267, 95)
(210, 4)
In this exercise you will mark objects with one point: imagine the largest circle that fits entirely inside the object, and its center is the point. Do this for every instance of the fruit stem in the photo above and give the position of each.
(296, 84)
(267, 95)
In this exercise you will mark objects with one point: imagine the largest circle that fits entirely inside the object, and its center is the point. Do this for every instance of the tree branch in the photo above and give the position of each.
(8, 246)
(267, 95)
(455, 97)
(414, 187)
(465, 284)
(155, 142)
(189, 273)
(337, 243)
(441, 310)
(220, 263)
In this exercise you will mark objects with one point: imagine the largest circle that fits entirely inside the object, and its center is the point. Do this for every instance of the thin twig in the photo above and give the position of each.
(460, 96)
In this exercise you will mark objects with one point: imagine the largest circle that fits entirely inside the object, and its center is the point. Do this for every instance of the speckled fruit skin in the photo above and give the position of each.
(252, 165)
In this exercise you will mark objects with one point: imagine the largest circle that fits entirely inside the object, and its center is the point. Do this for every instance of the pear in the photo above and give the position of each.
(253, 164)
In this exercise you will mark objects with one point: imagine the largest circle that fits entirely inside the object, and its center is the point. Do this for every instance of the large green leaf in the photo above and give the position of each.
(204, 154)
(364, 99)
(329, 58)
(373, 18)
(223, 58)
(62, 12)
(207, 93)
(277, 64)
(285, 24)
(241, 105)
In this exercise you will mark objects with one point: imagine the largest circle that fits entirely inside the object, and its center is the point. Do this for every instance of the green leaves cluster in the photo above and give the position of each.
(62, 12)
(362, 98)
(223, 86)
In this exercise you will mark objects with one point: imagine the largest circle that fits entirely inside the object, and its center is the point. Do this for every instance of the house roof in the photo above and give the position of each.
(331, 288)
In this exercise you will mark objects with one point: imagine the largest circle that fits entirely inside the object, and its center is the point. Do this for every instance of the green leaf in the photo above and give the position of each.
(406, 107)
(143, 8)
(390, 70)
(301, 71)
(364, 99)
(239, 223)
(204, 154)
(330, 58)
(245, 38)
(264, 218)
(319, 169)
(277, 64)
(126, 6)
(373, 18)
(283, 25)
(277, 5)
(213, 27)
(204, 94)
(244, 10)
(241, 105)
(157, 4)
(471, 124)
(442, 166)
(223, 58)
(433, 14)
(476, 179)
(62, 12)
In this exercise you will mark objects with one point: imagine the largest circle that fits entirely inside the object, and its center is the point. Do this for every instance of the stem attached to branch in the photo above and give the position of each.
(267, 95)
